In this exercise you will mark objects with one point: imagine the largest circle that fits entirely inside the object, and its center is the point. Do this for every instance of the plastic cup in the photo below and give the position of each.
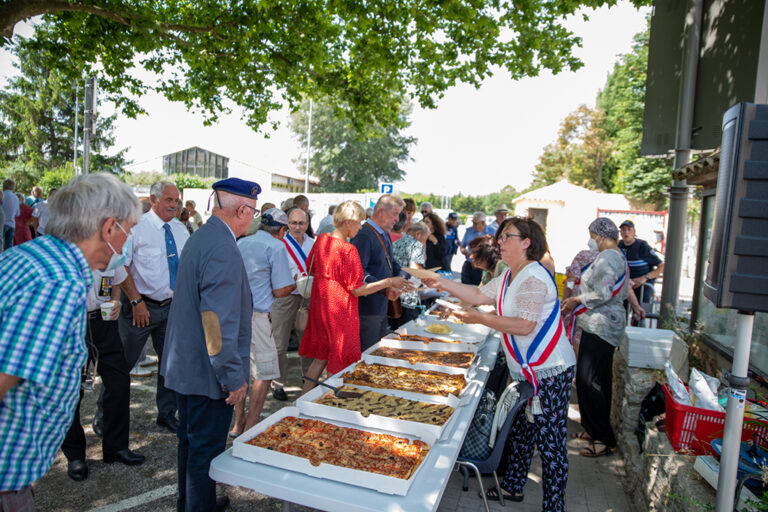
(106, 310)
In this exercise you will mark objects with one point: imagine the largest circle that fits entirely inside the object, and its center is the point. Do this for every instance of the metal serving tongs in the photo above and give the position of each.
(336, 391)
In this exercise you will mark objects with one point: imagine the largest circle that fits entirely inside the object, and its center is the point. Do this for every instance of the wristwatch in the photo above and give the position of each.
(137, 301)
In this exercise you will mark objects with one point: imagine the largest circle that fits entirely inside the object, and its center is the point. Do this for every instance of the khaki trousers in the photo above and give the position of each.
(284, 311)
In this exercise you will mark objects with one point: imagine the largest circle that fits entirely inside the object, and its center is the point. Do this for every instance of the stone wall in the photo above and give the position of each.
(658, 478)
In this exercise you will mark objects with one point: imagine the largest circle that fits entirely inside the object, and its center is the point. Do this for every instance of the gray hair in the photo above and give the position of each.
(79, 209)
(478, 217)
(272, 230)
(417, 227)
(603, 226)
(388, 202)
(158, 187)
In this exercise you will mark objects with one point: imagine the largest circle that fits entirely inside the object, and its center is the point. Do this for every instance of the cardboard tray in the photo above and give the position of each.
(430, 434)
(468, 372)
(381, 483)
(466, 333)
(463, 397)
(391, 340)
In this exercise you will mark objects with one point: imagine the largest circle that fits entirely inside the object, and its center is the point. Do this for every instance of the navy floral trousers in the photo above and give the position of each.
(549, 434)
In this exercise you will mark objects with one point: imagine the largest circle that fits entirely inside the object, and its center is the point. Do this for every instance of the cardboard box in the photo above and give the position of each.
(381, 483)
(428, 433)
(391, 340)
(468, 372)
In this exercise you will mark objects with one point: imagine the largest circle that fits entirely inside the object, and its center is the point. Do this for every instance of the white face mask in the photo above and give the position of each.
(118, 259)
(592, 244)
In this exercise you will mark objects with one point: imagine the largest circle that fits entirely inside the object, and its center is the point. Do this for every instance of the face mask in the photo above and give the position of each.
(592, 244)
(118, 259)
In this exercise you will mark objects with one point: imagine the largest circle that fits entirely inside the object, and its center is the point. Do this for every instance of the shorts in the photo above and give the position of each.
(264, 365)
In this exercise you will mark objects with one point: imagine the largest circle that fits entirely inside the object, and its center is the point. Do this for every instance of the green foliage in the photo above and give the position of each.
(142, 178)
(183, 181)
(467, 205)
(600, 148)
(56, 178)
(37, 115)
(346, 159)
(262, 55)
(23, 173)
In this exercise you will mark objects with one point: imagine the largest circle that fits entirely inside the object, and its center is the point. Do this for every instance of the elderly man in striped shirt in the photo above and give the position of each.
(42, 325)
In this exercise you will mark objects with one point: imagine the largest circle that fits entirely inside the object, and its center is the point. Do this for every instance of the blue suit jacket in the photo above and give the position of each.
(211, 283)
(375, 267)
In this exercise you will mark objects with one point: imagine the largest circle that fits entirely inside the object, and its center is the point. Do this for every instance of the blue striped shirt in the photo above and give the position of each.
(43, 288)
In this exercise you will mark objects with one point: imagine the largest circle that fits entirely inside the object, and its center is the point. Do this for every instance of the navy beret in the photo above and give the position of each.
(239, 187)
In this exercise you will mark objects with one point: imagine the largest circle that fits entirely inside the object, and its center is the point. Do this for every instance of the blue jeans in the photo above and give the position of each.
(8, 237)
(203, 427)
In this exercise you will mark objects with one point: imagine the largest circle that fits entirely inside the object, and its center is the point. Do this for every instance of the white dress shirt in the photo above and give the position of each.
(41, 213)
(148, 262)
(101, 291)
(306, 247)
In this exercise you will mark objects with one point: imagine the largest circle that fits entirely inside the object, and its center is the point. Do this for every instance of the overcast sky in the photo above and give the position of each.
(476, 141)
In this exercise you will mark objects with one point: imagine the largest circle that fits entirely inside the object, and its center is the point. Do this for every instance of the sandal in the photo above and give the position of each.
(592, 452)
(493, 495)
(582, 435)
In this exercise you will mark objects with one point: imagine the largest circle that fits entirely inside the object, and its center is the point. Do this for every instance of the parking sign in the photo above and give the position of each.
(386, 188)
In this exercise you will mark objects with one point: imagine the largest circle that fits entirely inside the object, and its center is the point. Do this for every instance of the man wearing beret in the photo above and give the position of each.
(206, 359)
(269, 277)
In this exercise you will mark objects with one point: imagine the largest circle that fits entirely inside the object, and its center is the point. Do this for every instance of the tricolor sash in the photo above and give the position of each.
(581, 308)
(296, 253)
(541, 346)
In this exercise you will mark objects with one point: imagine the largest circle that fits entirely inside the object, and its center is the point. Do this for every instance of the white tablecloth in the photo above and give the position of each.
(425, 492)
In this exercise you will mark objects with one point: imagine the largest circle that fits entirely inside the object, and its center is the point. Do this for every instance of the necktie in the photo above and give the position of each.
(173, 257)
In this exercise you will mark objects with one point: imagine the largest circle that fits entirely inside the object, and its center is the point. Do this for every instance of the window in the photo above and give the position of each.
(719, 325)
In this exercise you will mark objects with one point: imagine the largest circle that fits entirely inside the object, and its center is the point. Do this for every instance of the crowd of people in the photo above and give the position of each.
(221, 301)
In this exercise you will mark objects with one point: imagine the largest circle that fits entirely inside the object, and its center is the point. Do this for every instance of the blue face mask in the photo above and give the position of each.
(118, 259)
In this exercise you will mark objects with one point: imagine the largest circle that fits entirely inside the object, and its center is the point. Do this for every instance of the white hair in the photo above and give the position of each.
(388, 202)
(478, 217)
(158, 187)
(417, 227)
(79, 209)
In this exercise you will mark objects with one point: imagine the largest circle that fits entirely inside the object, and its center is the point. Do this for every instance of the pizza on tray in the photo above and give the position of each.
(424, 339)
(452, 359)
(405, 379)
(322, 442)
(395, 407)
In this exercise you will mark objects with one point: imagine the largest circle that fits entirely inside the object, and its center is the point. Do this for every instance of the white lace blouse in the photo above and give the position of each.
(531, 296)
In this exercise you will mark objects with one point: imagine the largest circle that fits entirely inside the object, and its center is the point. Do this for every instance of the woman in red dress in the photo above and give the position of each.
(22, 233)
(332, 336)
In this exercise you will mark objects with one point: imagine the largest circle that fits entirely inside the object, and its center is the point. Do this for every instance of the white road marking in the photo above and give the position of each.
(141, 499)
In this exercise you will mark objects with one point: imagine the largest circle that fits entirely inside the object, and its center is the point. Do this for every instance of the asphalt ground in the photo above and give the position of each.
(152, 485)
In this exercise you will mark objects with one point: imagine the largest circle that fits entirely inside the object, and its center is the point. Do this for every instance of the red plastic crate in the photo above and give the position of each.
(691, 429)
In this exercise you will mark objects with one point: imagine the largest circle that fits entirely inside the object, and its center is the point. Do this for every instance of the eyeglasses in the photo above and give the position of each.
(256, 211)
(299, 223)
(506, 236)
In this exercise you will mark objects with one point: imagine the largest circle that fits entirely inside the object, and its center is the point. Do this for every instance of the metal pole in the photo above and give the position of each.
(77, 111)
(734, 414)
(87, 124)
(309, 147)
(678, 192)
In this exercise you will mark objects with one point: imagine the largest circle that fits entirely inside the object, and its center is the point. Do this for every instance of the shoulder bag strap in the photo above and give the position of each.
(381, 241)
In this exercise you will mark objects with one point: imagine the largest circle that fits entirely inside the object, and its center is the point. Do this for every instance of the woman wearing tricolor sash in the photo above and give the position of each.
(598, 310)
(537, 350)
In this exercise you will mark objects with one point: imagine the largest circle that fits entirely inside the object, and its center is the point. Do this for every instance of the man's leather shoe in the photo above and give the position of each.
(77, 470)
(279, 394)
(126, 456)
(222, 502)
(170, 422)
(98, 427)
